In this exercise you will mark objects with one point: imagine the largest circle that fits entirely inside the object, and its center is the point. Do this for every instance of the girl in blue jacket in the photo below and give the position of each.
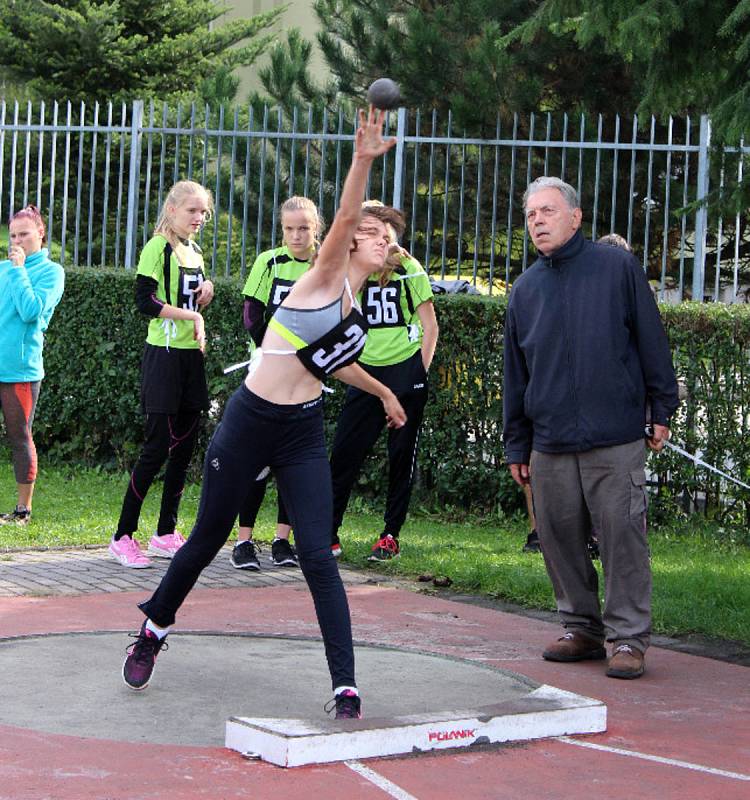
(30, 288)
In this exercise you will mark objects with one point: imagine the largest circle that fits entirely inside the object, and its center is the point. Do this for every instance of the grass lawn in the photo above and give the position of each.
(701, 576)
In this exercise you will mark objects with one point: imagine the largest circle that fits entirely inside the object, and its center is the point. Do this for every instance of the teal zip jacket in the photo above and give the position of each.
(28, 297)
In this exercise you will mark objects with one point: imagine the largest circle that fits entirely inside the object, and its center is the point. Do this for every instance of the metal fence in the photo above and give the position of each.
(99, 175)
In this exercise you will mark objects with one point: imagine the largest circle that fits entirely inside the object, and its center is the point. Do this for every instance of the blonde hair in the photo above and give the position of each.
(299, 203)
(178, 195)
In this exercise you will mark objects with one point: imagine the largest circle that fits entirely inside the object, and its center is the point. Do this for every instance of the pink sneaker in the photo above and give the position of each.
(165, 546)
(128, 552)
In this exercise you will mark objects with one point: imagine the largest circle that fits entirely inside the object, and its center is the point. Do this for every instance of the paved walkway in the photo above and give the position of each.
(681, 731)
(90, 570)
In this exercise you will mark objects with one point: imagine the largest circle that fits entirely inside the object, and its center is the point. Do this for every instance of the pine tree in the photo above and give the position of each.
(686, 56)
(123, 49)
(449, 55)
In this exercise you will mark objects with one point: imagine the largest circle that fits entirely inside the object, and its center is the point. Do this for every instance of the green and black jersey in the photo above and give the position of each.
(272, 276)
(177, 289)
(395, 333)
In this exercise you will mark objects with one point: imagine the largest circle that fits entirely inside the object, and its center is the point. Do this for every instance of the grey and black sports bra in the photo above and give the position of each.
(322, 340)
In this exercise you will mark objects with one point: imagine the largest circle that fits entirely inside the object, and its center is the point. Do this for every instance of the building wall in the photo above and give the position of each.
(299, 14)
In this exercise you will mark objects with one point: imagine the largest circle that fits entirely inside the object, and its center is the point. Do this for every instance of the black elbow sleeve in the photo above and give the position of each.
(146, 300)
(254, 319)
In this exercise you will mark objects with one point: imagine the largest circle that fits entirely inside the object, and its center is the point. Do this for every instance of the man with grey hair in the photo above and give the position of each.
(585, 352)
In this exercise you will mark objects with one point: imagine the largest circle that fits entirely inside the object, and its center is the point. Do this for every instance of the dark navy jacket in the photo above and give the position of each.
(584, 350)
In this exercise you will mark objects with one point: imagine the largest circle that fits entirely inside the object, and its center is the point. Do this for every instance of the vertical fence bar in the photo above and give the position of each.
(52, 168)
(261, 182)
(120, 183)
(493, 224)
(204, 165)
(415, 184)
(136, 124)
(178, 135)
(162, 164)
(564, 147)
(13, 154)
(736, 270)
(445, 196)
(631, 188)
(217, 191)
(26, 159)
(597, 174)
(40, 157)
(582, 135)
(246, 193)
(478, 215)
(105, 207)
(292, 152)
(398, 167)
(66, 178)
(430, 187)
(615, 157)
(648, 200)
(665, 237)
(460, 242)
(230, 204)
(2, 153)
(337, 180)
(719, 234)
(321, 184)
(306, 187)
(92, 185)
(276, 176)
(701, 215)
(191, 142)
(683, 220)
(511, 188)
(529, 156)
(79, 182)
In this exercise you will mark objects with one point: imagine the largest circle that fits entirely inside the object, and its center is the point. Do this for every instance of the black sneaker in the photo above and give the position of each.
(245, 556)
(593, 547)
(283, 554)
(139, 665)
(384, 549)
(348, 705)
(19, 516)
(532, 543)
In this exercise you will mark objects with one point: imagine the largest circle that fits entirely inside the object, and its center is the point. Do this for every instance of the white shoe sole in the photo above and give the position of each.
(123, 561)
(247, 567)
(157, 553)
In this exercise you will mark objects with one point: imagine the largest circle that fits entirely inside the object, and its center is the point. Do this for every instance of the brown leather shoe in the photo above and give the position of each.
(575, 646)
(626, 662)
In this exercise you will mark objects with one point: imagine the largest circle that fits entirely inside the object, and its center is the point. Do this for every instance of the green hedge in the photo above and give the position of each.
(89, 409)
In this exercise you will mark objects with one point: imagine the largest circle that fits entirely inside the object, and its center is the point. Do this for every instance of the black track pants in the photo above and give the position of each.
(252, 435)
(170, 438)
(361, 422)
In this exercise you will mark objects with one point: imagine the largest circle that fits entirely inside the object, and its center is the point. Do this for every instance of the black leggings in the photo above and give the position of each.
(18, 401)
(252, 502)
(358, 428)
(170, 438)
(252, 435)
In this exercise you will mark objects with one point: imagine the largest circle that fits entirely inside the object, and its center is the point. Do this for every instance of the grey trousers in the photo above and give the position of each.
(606, 487)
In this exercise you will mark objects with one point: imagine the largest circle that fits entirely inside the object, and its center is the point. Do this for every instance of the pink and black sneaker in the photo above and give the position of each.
(348, 705)
(139, 665)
